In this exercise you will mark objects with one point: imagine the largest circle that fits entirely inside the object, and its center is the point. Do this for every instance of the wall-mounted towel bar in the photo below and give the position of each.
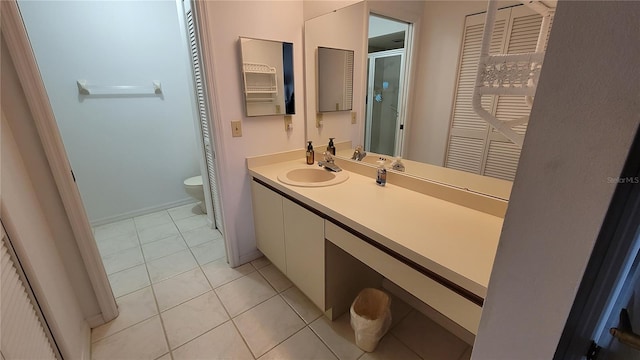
(85, 89)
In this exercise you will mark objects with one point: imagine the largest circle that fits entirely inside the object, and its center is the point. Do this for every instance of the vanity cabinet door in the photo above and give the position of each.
(268, 221)
(304, 244)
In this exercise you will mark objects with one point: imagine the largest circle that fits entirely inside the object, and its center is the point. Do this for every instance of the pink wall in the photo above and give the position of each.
(269, 20)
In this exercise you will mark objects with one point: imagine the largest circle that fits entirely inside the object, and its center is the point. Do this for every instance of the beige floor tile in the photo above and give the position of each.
(428, 339)
(389, 348)
(180, 288)
(193, 318)
(268, 324)
(219, 273)
(275, 278)
(157, 232)
(338, 335)
(163, 247)
(118, 243)
(166, 356)
(150, 220)
(191, 223)
(144, 340)
(185, 211)
(399, 310)
(260, 262)
(301, 304)
(129, 280)
(200, 235)
(223, 342)
(123, 260)
(114, 229)
(303, 345)
(244, 293)
(171, 265)
(133, 308)
(209, 251)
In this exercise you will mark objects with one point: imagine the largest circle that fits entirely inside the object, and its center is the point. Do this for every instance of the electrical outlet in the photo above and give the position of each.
(277, 109)
(353, 117)
(337, 106)
(288, 123)
(236, 128)
(319, 120)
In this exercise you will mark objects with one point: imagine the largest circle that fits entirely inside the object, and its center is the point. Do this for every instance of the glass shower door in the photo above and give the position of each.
(383, 132)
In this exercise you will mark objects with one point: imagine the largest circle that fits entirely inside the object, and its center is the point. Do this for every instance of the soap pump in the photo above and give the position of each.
(310, 155)
(331, 148)
(381, 179)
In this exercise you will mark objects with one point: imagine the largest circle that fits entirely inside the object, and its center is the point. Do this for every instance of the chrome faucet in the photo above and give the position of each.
(328, 162)
(358, 153)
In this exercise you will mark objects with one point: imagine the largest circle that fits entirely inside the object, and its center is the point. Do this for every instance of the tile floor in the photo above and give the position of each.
(179, 299)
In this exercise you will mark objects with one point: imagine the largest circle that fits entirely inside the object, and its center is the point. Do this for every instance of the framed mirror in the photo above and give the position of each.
(335, 79)
(267, 74)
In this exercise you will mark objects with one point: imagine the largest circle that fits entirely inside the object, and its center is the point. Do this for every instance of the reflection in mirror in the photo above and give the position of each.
(335, 79)
(441, 127)
(267, 71)
(385, 86)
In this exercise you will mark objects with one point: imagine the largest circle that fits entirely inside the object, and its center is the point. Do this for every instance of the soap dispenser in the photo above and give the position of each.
(331, 148)
(310, 155)
(381, 179)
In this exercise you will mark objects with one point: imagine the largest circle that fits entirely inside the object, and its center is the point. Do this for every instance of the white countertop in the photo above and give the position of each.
(454, 241)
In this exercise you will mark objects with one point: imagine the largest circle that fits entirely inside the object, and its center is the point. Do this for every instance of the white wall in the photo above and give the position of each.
(129, 154)
(439, 44)
(582, 124)
(315, 8)
(269, 20)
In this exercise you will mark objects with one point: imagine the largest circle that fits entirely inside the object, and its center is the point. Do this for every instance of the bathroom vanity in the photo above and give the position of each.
(435, 241)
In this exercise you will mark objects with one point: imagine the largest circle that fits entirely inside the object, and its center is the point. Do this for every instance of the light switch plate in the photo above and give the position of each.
(288, 123)
(319, 120)
(353, 117)
(236, 128)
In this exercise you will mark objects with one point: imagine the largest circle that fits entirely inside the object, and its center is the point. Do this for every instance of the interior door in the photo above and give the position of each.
(383, 130)
(609, 294)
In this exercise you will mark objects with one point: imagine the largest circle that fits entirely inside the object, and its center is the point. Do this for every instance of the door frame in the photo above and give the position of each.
(15, 34)
(608, 263)
(401, 113)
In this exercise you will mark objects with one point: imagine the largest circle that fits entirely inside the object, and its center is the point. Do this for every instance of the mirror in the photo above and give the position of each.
(335, 79)
(267, 73)
(435, 119)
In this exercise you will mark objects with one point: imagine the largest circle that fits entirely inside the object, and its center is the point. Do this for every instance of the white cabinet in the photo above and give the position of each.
(269, 224)
(304, 249)
(292, 238)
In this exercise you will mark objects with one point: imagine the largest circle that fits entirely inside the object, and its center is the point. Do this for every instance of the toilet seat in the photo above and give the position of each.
(193, 181)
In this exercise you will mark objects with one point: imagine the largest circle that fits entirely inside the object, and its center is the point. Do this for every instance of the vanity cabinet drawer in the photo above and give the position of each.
(269, 224)
(447, 302)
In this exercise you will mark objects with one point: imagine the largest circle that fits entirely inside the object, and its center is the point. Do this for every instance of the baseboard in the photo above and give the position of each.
(429, 312)
(250, 257)
(144, 211)
(86, 349)
(95, 321)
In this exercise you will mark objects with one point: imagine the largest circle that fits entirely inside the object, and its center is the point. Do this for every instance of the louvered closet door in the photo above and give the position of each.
(490, 153)
(468, 134)
(502, 155)
(22, 333)
(203, 113)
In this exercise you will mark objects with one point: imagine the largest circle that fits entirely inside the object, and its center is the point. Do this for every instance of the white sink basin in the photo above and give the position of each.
(312, 177)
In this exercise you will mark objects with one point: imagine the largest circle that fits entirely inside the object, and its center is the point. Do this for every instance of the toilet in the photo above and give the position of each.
(193, 187)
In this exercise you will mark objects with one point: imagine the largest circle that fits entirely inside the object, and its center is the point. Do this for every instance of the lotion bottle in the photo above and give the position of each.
(310, 155)
(381, 179)
(331, 148)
